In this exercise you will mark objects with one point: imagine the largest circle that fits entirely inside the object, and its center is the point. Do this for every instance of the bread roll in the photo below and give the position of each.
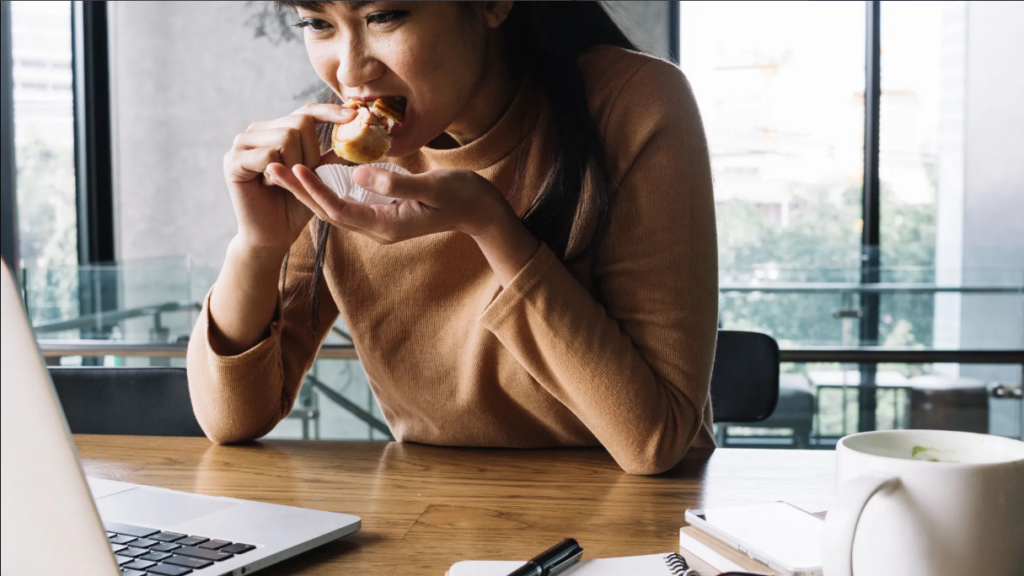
(366, 139)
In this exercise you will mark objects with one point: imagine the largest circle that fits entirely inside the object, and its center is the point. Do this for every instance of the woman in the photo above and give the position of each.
(551, 276)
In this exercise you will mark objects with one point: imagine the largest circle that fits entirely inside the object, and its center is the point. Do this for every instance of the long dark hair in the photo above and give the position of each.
(545, 40)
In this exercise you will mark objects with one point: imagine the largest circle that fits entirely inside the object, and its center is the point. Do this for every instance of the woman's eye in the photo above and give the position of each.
(381, 18)
(314, 24)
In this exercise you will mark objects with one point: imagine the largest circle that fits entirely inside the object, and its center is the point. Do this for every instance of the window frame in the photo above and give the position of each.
(8, 197)
(94, 181)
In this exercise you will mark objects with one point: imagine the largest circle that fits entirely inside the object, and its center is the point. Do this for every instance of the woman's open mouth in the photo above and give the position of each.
(393, 105)
(396, 103)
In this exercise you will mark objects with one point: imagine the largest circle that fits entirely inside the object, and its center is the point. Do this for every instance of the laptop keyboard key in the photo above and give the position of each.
(128, 529)
(132, 552)
(155, 556)
(132, 573)
(191, 541)
(122, 560)
(144, 543)
(167, 536)
(121, 539)
(202, 553)
(117, 547)
(188, 562)
(168, 570)
(215, 544)
(165, 547)
(139, 565)
(237, 548)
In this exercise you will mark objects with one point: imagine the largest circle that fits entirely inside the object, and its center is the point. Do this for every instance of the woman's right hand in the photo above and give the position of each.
(270, 217)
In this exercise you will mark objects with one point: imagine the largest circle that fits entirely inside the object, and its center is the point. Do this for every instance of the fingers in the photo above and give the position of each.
(287, 141)
(326, 204)
(283, 177)
(323, 201)
(326, 113)
(298, 131)
(248, 165)
(312, 113)
(352, 214)
(333, 206)
(310, 142)
(388, 183)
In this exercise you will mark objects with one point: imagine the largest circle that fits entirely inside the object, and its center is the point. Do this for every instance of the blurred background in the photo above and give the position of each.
(868, 180)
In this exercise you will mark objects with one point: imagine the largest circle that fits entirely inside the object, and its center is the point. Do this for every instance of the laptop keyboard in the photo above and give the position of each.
(147, 552)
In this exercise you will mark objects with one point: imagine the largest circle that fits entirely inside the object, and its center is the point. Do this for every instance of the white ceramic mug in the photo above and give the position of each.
(926, 503)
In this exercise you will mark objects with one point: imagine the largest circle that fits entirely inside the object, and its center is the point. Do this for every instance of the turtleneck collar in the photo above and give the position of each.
(512, 128)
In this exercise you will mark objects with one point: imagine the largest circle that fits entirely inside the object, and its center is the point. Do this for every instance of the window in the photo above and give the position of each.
(44, 155)
(785, 96)
(780, 86)
(921, 155)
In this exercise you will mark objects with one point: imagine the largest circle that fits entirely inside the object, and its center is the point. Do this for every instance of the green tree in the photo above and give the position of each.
(47, 226)
(821, 243)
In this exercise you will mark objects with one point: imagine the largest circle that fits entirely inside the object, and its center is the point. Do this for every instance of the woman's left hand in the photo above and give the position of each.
(432, 202)
(437, 201)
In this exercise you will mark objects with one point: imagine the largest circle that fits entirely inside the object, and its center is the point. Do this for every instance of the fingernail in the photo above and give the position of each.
(268, 177)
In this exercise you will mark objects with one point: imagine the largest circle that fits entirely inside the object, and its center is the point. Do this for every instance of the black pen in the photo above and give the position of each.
(553, 561)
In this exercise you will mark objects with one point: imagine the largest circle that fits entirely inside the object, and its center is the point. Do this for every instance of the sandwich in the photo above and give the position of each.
(367, 138)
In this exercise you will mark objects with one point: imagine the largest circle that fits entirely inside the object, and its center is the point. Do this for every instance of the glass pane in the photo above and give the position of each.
(923, 64)
(44, 155)
(818, 403)
(158, 301)
(781, 89)
(941, 224)
(318, 416)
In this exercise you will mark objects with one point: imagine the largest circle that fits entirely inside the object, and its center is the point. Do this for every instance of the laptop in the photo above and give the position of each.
(55, 521)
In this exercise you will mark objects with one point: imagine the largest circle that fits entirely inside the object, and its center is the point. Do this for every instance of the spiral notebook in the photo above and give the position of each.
(653, 565)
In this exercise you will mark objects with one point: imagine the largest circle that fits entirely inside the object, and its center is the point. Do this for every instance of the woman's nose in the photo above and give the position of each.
(358, 66)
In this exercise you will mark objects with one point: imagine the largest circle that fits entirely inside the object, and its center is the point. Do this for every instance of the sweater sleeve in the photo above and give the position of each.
(242, 397)
(632, 359)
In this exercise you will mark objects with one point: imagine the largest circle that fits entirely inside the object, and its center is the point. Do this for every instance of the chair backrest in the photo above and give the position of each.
(745, 379)
(129, 401)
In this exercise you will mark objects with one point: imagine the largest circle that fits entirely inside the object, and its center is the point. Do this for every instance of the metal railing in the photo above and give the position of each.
(843, 354)
(108, 319)
(874, 288)
(56, 348)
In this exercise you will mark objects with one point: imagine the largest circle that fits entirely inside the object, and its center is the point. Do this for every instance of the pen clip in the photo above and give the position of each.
(566, 563)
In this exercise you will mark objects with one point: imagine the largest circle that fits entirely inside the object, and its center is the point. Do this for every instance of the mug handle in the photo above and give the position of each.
(842, 519)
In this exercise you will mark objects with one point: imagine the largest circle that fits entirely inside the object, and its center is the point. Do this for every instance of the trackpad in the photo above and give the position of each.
(158, 508)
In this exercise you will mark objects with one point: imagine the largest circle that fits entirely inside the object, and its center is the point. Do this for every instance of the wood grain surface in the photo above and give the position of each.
(425, 508)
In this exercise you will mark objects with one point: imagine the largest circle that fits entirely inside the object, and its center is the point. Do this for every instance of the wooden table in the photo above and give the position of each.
(425, 508)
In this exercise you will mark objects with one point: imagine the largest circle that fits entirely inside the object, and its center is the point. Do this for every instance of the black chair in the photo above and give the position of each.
(746, 388)
(745, 379)
(129, 401)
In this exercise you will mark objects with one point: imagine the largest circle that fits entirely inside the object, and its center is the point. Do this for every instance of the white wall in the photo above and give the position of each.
(980, 230)
(188, 76)
(993, 214)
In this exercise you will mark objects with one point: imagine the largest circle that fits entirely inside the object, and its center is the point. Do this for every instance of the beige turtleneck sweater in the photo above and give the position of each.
(614, 349)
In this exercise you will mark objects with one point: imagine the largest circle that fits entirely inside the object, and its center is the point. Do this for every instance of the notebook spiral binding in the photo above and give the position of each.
(677, 565)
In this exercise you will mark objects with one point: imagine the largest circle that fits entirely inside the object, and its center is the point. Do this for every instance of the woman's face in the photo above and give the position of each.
(432, 54)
